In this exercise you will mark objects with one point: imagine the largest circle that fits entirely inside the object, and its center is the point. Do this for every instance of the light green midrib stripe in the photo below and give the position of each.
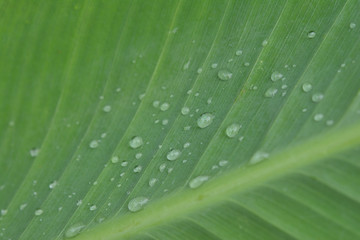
(182, 203)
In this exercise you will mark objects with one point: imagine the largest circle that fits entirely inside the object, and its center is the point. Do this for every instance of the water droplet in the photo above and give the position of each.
(275, 76)
(198, 181)
(187, 128)
(222, 163)
(74, 230)
(115, 159)
(136, 142)
(306, 87)
(209, 101)
(152, 182)
(352, 25)
(271, 92)
(38, 212)
(164, 122)
(136, 204)
(141, 96)
(53, 185)
(199, 70)
(185, 110)
(329, 122)
(124, 163)
(317, 97)
(258, 157)
(318, 117)
(246, 64)
(92, 207)
(311, 34)
(264, 43)
(156, 104)
(23, 206)
(186, 145)
(138, 155)
(205, 120)
(94, 144)
(137, 169)
(173, 154)
(107, 108)
(103, 135)
(162, 167)
(186, 65)
(118, 90)
(232, 130)
(165, 106)
(34, 152)
(3, 212)
(239, 52)
(224, 75)
(214, 65)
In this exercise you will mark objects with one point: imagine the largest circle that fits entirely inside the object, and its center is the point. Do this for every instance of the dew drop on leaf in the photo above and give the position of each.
(136, 204)
(53, 185)
(137, 169)
(317, 97)
(352, 25)
(223, 163)
(259, 157)
(115, 159)
(205, 120)
(34, 152)
(186, 145)
(136, 142)
(152, 182)
(173, 154)
(92, 207)
(311, 34)
(74, 230)
(156, 104)
(107, 108)
(185, 111)
(306, 87)
(224, 75)
(275, 76)
(165, 106)
(271, 92)
(318, 117)
(232, 130)
(198, 181)
(38, 212)
(94, 144)
(214, 65)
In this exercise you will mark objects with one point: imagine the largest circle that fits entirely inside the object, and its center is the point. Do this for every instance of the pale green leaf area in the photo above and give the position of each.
(179, 119)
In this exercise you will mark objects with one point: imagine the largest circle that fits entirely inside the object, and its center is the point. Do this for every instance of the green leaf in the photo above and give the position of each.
(179, 119)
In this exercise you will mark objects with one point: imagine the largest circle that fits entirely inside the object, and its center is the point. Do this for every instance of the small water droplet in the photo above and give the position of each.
(318, 117)
(107, 108)
(3, 212)
(199, 70)
(136, 204)
(164, 122)
(352, 25)
(136, 142)
(173, 154)
(271, 92)
(275, 76)
(186, 145)
(165, 106)
(214, 65)
(222, 163)
(152, 182)
(186, 65)
(209, 101)
(264, 43)
(224, 75)
(329, 122)
(92, 207)
(239, 52)
(185, 111)
(34, 152)
(258, 157)
(198, 181)
(156, 104)
(94, 144)
(306, 87)
(138, 155)
(205, 120)
(38, 212)
(311, 34)
(74, 230)
(232, 130)
(53, 185)
(162, 167)
(246, 64)
(317, 97)
(115, 159)
(23, 206)
(137, 169)
(124, 163)
(141, 96)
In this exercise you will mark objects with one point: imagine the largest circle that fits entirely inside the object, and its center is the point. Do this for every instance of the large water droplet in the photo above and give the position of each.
(224, 75)
(232, 130)
(205, 120)
(317, 97)
(271, 92)
(275, 76)
(136, 204)
(136, 142)
(173, 154)
(198, 181)
(307, 87)
(74, 230)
